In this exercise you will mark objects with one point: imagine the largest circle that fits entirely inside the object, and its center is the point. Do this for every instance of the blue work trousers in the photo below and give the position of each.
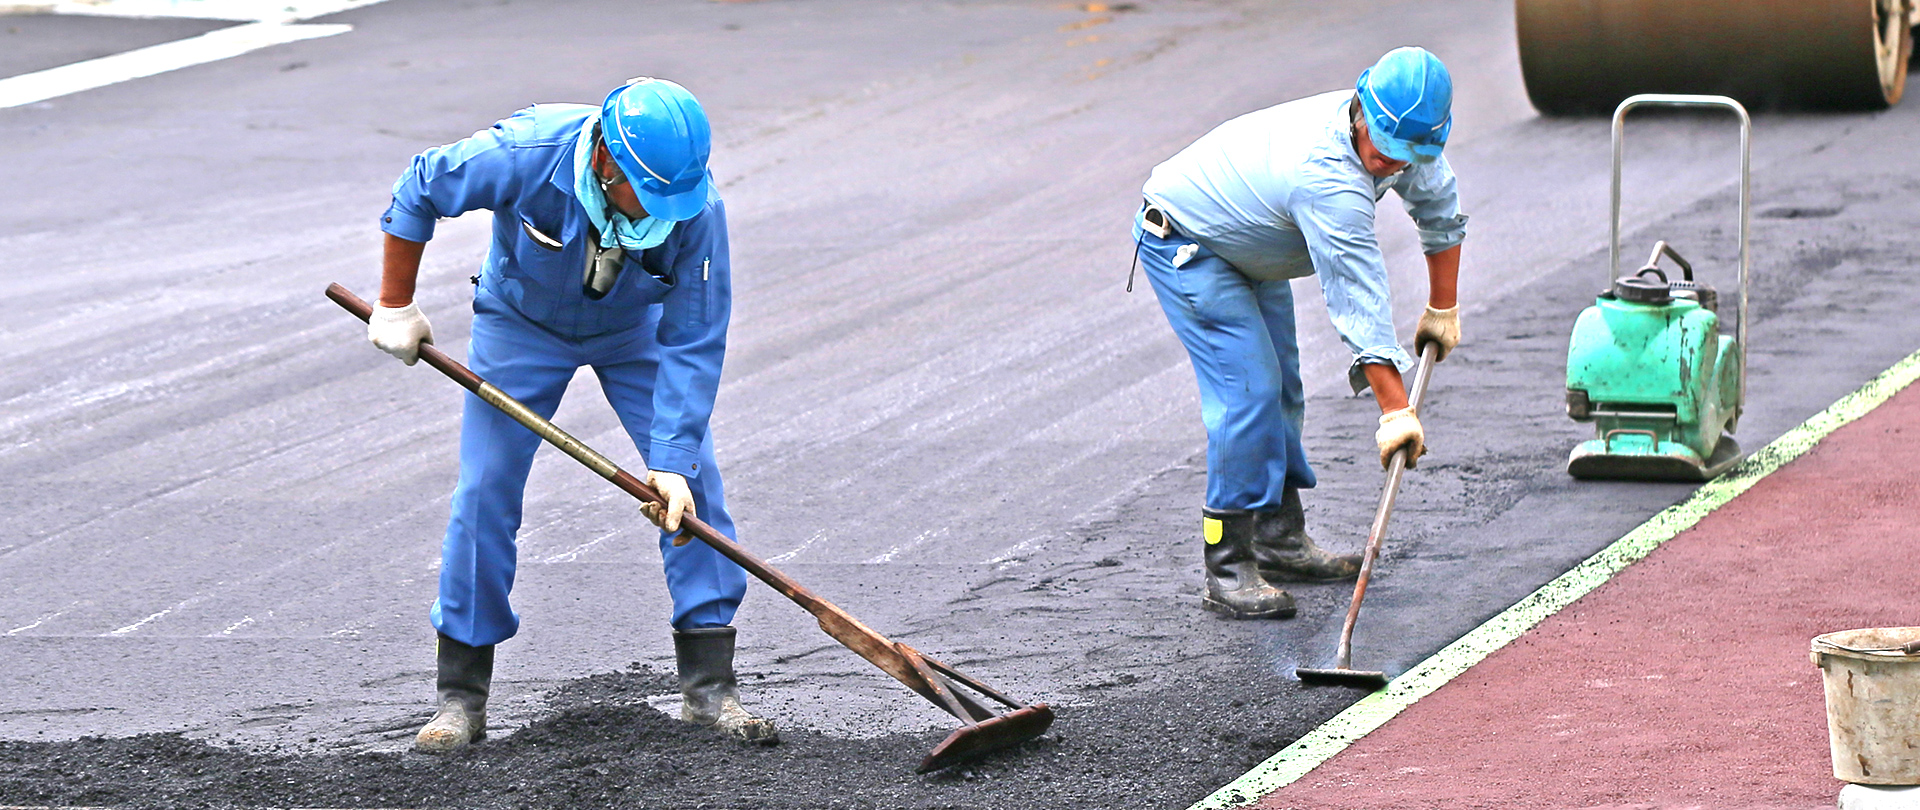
(1239, 332)
(534, 365)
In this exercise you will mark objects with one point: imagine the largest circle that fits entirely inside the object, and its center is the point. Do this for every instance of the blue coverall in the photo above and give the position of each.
(656, 341)
(1274, 195)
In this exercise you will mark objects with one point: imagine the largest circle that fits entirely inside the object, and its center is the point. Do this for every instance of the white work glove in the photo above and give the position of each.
(1440, 326)
(672, 487)
(1399, 429)
(399, 331)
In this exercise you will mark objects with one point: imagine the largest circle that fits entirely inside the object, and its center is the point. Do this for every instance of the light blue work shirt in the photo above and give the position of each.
(522, 170)
(1281, 193)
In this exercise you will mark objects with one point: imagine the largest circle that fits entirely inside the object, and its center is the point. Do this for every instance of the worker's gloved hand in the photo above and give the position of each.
(399, 331)
(1441, 326)
(672, 487)
(1399, 429)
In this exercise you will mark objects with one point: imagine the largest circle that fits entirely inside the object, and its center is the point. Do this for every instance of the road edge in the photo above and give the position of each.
(1373, 711)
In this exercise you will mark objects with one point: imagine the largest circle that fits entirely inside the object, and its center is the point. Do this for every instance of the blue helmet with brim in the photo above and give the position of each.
(1407, 98)
(659, 137)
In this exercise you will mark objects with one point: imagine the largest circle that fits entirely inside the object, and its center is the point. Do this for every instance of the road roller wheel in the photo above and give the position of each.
(1584, 56)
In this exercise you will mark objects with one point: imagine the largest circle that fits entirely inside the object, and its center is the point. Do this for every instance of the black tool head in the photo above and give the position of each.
(1360, 678)
(972, 740)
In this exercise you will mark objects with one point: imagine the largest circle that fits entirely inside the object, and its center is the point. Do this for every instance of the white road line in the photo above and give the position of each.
(817, 537)
(888, 555)
(43, 619)
(241, 10)
(187, 602)
(212, 46)
(573, 554)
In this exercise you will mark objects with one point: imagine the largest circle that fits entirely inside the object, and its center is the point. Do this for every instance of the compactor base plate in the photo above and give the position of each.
(1591, 461)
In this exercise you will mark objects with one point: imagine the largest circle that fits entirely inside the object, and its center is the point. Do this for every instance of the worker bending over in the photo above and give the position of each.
(1274, 195)
(609, 250)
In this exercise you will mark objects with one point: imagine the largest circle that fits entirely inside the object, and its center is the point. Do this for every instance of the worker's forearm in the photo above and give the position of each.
(1387, 386)
(1443, 278)
(399, 270)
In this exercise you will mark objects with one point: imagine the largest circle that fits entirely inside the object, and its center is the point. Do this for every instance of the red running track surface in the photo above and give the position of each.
(1684, 681)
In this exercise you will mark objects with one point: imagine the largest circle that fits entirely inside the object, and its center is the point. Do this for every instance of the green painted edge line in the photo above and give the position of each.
(1373, 711)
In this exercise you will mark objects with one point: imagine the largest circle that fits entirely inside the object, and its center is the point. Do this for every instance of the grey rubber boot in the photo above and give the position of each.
(466, 675)
(1285, 552)
(709, 694)
(1235, 588)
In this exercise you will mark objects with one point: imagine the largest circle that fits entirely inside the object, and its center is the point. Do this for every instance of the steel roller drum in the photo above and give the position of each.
(1585, 56)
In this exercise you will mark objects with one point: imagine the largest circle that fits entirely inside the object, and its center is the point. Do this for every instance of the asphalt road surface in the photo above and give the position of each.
(222, 509)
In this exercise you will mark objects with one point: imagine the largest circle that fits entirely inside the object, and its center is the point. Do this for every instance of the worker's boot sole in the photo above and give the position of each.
(1213, 605)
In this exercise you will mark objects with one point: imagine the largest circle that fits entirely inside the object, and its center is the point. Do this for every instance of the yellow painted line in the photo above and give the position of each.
(1374, 710)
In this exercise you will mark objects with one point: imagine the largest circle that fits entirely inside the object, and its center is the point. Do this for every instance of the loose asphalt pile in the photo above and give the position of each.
(601, 745)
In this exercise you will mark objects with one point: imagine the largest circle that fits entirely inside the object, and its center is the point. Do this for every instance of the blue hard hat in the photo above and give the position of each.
(659, 138)
(1407, 98)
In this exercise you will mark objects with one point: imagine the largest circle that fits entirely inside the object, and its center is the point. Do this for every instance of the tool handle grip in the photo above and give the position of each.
(428, 352)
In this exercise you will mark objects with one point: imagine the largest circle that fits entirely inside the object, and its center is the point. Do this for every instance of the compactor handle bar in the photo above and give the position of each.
(1746, 192)
(1661, 247)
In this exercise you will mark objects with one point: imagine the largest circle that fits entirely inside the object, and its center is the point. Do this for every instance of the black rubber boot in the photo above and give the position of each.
(1287, 554)
(709, 694)
(466, 675)
(1235, 588)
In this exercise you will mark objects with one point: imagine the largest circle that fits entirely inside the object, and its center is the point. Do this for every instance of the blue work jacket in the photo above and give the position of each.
(1281, 193)
(522, 169)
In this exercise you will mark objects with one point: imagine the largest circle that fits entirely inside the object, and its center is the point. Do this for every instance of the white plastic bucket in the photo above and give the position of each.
(1873, 704)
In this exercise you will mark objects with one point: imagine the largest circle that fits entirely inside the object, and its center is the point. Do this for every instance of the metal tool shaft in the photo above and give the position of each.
(1396, 468)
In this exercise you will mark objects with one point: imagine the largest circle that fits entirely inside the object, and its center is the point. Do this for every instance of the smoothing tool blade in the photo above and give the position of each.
(974, 739)
(1341, 676)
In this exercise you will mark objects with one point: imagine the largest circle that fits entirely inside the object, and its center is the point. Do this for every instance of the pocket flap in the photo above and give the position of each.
(539, 238)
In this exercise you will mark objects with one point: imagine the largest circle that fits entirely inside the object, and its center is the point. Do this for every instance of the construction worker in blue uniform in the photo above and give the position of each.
(609, 250)
(1277, 194)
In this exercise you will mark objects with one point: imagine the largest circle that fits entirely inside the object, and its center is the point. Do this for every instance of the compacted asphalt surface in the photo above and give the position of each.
(220, 527)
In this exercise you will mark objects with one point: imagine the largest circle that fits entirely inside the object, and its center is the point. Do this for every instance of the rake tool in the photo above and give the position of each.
(982, 729)
(1343, 673)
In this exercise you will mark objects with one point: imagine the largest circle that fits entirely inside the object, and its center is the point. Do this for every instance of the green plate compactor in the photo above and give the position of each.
(1648, 365)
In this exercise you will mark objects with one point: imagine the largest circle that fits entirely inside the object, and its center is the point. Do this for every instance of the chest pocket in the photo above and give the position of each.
(540, 238)
(656, 263)
(539, 271)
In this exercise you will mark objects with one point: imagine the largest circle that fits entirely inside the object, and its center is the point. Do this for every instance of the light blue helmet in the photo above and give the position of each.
(1407, 98)
(660, 140)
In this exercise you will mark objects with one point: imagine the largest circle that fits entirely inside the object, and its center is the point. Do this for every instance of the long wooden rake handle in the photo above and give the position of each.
(907, 665)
